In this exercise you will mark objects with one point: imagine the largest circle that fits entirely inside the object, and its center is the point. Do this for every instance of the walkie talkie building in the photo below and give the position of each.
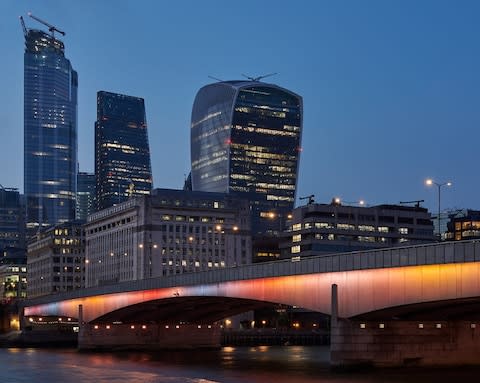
(245, 139)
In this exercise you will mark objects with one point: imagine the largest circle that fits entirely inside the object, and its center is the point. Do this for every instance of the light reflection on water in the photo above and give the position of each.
(263, 364)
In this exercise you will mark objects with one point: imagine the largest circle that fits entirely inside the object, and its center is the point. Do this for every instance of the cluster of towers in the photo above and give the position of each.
(245, 140)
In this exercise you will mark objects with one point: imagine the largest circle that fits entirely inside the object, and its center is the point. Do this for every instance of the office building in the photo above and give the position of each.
(56, 259)
(12, 219)
(245, 140)
(85, 195)
(122, 154)
(320, 229)
(50, 131)
(463, 225)
(13, 274)
(169, 232)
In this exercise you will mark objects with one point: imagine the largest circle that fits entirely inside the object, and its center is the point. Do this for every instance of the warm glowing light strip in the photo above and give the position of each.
(359, 291)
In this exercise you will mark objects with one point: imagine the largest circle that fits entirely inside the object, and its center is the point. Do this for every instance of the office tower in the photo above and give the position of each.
(245, 139)
(85, 195)
(12, 219)
(122, 154)
(50, 131)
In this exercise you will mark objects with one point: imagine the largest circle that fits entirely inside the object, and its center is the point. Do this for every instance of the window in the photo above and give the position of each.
(297, 226)
(403, 230)
(345, 226)
(297, 238)
(383, 229)
(366, 228)
(295, 249)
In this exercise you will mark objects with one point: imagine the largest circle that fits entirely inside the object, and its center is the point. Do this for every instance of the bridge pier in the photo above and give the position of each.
(148, 336)
(400, 343)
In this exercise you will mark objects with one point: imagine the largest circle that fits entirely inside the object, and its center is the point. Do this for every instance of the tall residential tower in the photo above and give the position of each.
(245, 139)
(122, 154)
(50, 131)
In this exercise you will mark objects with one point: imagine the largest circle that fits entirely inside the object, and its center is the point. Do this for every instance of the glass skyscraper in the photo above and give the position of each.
(122, 154)
(85, 195)
(245, 139)
(50, 131)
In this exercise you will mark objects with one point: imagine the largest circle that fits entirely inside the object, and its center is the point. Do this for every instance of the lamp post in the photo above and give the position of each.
(430, 182)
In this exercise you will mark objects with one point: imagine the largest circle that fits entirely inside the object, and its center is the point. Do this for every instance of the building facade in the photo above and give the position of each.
(85, 195)
(169, 232)
(246, 140)
(463, 225)
(13, 274)
(317, 229)
(12, 219)
(50, 131)
(122, 153)
(56, 260)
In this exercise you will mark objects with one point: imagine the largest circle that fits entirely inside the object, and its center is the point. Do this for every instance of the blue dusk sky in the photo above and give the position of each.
(390, 88)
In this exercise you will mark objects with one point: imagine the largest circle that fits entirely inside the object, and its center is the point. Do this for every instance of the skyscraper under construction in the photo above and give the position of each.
(50, 129)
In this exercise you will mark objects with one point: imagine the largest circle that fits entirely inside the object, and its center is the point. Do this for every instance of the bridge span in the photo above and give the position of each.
(368, 282)
(436, 282)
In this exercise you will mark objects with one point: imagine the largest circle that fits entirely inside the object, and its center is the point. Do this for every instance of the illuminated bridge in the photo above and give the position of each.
(437, 282)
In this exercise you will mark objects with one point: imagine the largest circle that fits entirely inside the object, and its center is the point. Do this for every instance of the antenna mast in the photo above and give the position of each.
(258, 78)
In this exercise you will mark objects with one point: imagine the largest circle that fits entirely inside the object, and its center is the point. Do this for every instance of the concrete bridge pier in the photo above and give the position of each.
(148, 336)
(400, 343)
(397, 343)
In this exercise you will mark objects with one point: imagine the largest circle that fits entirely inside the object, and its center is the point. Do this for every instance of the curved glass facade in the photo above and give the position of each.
(122, 153)
(245, 139)
(50, 132)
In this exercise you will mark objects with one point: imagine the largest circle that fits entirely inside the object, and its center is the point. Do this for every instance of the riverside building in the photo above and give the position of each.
(320, 229)
(56, 260)
(168, 232)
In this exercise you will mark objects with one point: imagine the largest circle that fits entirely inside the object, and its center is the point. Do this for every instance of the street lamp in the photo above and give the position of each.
(430, 182)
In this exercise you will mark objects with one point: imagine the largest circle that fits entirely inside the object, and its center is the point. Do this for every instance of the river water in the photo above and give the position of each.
(263, 364)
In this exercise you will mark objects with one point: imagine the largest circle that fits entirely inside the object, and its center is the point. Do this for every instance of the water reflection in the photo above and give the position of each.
(263, 364)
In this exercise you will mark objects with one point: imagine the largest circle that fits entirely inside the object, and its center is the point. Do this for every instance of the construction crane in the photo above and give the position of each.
(416, 202)
(258, 78)
(52, 29)
(23, 26)
(310, 199)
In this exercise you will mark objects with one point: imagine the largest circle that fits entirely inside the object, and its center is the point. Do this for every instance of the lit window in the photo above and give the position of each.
(297, 238)
(295, 249)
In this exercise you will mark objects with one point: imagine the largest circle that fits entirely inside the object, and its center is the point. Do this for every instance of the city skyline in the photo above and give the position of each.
(389, 89)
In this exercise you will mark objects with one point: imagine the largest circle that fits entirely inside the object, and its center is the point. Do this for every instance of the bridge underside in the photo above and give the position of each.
(454, 309)
(199, 310)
